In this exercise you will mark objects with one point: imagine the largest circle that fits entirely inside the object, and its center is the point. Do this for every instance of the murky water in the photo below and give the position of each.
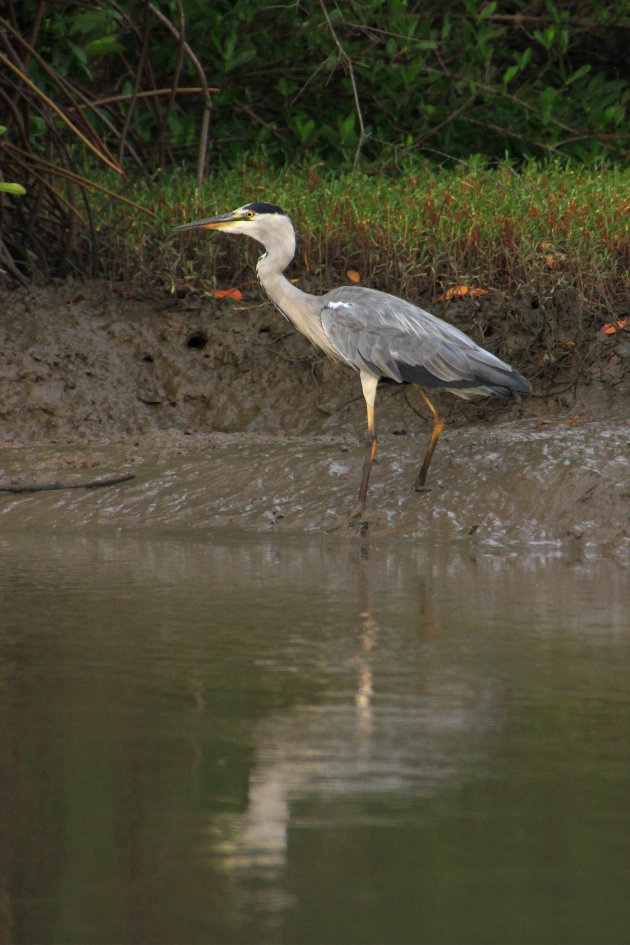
(282, 739)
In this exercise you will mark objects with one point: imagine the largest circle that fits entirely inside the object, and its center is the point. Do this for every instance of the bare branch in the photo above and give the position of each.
(62, 115)
(54, 486)
(207, 107)
(346, 61)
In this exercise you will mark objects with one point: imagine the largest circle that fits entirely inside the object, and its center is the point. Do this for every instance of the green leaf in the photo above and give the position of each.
(509, 74)
(79, 52)
(12, 189)
(582, 71)
(103, 47)
(614, 114)
(546, 37)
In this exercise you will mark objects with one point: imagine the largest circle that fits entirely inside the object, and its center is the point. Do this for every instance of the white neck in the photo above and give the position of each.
(272, 264)
(299, 307)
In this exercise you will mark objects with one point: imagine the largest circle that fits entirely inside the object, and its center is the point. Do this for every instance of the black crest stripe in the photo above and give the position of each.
(263, 208)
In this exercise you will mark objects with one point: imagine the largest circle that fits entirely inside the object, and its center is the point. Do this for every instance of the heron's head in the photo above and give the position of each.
(262, 221)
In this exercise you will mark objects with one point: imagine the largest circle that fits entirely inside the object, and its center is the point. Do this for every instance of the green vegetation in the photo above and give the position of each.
(426, 146)
(541, 230)
(332, 80)
(396, 77)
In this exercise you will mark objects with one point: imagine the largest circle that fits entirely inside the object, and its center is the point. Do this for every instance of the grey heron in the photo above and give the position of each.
(377, 334)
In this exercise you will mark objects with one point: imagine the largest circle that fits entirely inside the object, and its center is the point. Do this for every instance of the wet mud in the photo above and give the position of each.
(229, 420)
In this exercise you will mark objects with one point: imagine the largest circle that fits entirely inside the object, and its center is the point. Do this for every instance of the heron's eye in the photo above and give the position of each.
(250, 214)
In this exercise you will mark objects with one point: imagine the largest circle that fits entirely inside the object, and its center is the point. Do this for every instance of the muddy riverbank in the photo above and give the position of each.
(227, 418)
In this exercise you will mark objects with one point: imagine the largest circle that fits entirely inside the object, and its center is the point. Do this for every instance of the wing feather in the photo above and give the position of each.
(389, 337)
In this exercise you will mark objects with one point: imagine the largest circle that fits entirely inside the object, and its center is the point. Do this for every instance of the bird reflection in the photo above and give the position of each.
(369, 635)
(407, 726)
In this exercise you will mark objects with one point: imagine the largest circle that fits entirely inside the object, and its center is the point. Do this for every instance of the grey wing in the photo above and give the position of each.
(389, 337)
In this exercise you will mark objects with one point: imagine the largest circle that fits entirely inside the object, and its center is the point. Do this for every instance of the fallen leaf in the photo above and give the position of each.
(570, 344)
(611, 327)
(353, 275)
(77, 298)
(457, 291)
(227, 294)
(572, 420)
(554, 260)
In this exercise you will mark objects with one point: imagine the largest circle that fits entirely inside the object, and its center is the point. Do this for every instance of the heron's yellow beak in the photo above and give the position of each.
(223, 222)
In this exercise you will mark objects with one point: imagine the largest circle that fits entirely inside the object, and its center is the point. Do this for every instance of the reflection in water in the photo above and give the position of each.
(353, 751)
(281, 739)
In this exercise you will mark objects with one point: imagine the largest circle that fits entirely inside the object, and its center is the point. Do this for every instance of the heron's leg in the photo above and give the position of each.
(369, 384)
(438, 426)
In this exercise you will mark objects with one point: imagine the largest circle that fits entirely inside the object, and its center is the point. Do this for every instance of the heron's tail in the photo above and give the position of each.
(482, 377)
(503, 381)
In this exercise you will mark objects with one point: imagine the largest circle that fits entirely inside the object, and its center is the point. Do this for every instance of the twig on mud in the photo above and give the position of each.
(52, 486)
(578, 375)
(287, 357)
(415, 410)
(347, 403)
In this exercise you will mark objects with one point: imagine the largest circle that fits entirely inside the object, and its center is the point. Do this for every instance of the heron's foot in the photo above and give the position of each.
(358, 514)
(360, 519)
(362, 526)
(420, 483)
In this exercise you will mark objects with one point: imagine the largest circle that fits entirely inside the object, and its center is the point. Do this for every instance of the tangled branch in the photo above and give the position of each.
(55, 124)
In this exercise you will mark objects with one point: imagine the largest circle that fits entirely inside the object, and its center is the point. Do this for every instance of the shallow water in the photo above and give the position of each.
(311, 739)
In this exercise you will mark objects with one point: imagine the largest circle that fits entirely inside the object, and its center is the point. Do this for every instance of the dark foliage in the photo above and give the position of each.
(143, 85)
